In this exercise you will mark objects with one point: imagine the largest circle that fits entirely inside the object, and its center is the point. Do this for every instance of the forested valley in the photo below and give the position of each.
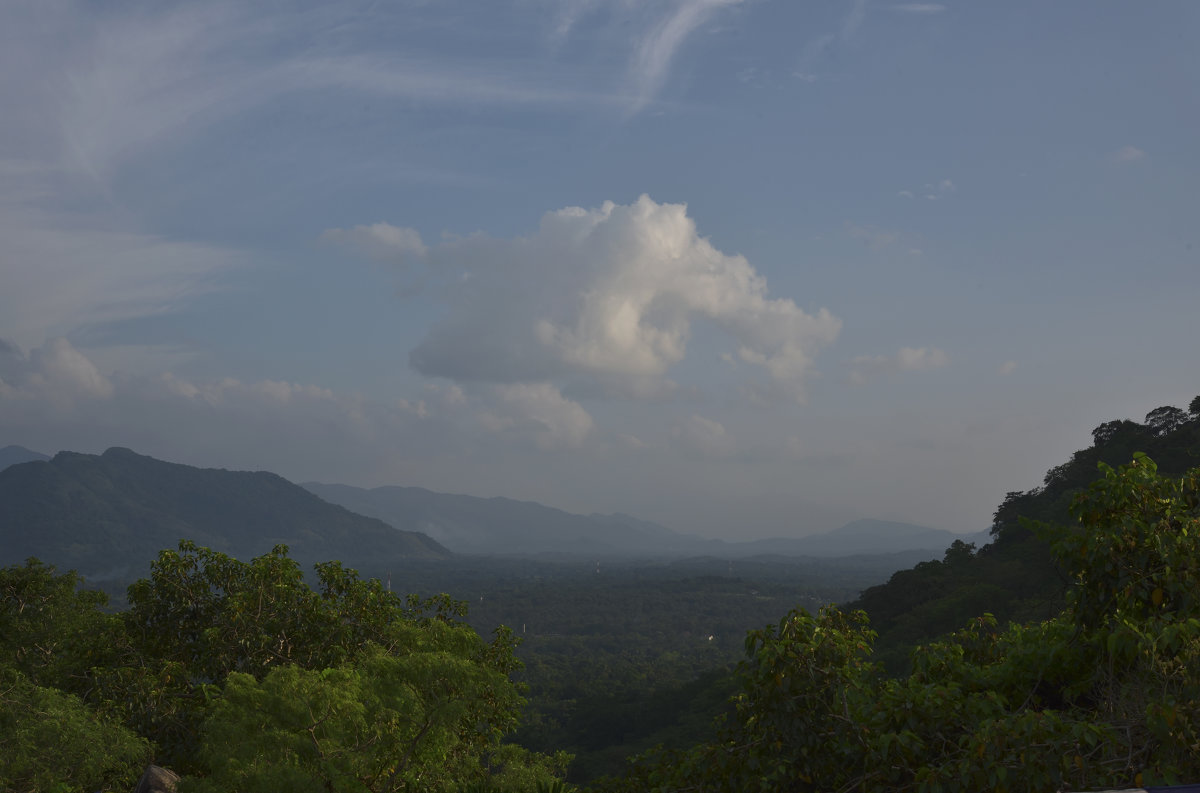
(1065, 654)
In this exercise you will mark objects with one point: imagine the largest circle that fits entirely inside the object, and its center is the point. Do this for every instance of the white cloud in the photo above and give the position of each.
(920, 359)
(539, 411)
(606, 298)
(55, 397)
(380, 241)
(1127, 154)
(54, 374)
(906, 359)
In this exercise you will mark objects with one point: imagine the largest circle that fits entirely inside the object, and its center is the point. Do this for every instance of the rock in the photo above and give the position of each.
(157, 780)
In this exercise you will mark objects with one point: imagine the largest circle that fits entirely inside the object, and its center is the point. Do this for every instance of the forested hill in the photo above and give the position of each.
(1014, 577)
(110, 514)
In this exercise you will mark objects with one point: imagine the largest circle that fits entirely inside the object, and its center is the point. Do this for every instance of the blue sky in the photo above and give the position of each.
(748, 268)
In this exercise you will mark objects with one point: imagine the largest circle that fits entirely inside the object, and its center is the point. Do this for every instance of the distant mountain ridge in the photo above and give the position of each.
(502, 526)
(108, 515)
(484, 526)
(13, 455)
(866, 536)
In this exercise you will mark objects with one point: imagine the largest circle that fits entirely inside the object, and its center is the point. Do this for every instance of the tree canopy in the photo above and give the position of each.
(241, 676)
(1106, 694)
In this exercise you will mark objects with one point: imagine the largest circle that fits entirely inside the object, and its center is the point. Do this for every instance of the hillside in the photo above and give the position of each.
(1014, 577)
(107, 515)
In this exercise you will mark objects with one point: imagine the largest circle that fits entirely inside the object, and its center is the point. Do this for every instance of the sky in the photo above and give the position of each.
(747, 268)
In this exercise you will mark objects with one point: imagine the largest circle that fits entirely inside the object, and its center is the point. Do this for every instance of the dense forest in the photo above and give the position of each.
(1065, 654)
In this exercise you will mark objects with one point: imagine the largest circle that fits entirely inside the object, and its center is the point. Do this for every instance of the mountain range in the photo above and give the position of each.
(502, 526)
(108, 515)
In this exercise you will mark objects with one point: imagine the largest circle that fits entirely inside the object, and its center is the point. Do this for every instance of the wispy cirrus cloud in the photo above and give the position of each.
(659, 44)
(807, 66)
(62, 275)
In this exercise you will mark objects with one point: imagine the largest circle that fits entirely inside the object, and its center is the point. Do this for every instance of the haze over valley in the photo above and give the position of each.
(583, 396)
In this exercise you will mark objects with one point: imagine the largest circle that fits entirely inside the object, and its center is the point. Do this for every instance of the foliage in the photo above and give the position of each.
(51, 741)
(640, 653)
(1106, 694)
(203, 618)
(50, 629)
(220, 665)
(1016, 576)
(421, 721)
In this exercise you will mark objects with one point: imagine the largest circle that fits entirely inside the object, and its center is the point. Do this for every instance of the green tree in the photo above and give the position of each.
(51, 629)
(1107, 694)
(1166, 419)
(236, 669)
(51, 741)
(420, 721)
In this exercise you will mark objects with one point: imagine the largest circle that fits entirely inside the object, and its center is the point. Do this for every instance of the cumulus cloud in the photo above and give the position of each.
(606, 298)
(56, 374)
(906, 359)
